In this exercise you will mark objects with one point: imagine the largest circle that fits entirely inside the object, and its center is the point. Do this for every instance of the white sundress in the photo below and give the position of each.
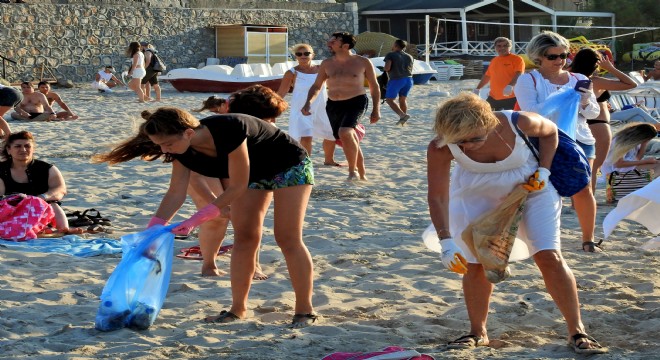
(476, 188)
(316, 125)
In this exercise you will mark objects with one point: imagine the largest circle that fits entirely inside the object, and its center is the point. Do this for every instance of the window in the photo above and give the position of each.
(379, 25)
(416, 31)
(482, 29)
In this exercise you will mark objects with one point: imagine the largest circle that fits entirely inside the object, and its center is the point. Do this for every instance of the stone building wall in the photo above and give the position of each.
(77, 38)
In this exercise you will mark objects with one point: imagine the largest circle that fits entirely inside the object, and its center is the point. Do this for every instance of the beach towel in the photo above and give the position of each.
(642, 206)
(22, 217)
(70, 244)
(388, 353)
(135, 292)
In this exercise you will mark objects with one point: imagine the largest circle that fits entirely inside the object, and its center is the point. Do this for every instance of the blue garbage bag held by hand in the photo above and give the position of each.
(563, 105)
(136, 289)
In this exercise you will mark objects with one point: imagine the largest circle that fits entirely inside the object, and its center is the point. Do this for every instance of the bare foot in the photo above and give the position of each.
(212, 272)
(259, 275)
(352, 176)
(72, 231)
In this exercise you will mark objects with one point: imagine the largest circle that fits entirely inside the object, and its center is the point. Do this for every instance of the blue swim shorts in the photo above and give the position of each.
(398, 87)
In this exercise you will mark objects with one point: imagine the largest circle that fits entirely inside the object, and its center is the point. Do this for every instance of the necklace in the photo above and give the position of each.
(501, 138)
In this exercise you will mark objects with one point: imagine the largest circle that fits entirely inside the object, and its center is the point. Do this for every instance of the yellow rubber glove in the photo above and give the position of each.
(452, 257)
(538, 180)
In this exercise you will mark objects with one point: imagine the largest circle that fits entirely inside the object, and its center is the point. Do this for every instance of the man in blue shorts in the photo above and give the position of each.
(399, 66)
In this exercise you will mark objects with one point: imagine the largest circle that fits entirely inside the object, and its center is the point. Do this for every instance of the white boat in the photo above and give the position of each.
(225, 79)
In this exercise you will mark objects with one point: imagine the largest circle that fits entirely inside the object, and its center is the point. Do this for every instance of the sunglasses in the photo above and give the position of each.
(562, 56)
(473, 140)
(306, 53)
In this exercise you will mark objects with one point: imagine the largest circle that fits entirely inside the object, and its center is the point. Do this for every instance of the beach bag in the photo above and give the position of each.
(135, 292)
(388, 353)
(620, 184)
(491, 236)
(22, 217)
(157, 63)
(383, 79)
(570, 171)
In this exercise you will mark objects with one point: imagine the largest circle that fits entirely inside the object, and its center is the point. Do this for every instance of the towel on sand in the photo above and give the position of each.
(70, 244)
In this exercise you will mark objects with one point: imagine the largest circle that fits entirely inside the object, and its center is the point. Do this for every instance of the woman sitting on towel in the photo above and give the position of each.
(239, 147)
(491, 159)
(21, 173)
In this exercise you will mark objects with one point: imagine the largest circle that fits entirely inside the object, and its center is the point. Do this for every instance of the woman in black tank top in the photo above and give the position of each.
(586, 62)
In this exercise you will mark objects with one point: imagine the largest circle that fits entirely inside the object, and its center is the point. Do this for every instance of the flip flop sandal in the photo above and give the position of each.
(303, 320)
(574, 342)
(194, 252)
(467, 342)
(224, 318)
(97, 219)
(81, 221)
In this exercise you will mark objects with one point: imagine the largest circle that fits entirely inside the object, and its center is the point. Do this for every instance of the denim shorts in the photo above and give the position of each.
(589, 150)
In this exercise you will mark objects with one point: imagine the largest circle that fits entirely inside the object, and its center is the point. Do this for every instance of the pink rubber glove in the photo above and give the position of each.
(207, 213)
(156, 221)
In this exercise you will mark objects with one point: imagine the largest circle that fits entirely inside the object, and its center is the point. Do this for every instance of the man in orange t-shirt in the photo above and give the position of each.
(502, 74)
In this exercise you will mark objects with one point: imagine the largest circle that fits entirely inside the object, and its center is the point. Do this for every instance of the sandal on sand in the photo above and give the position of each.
(195, 253)
(467, 342)
(590, 246)
(224, 317)
(97, 219)
(577, 340)
(303, 320)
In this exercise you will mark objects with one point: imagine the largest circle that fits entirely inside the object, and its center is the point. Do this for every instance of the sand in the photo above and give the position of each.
(375, 283)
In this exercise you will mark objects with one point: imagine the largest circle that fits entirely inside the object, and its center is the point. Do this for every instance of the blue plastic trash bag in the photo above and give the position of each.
(136, 289)
(562, 107)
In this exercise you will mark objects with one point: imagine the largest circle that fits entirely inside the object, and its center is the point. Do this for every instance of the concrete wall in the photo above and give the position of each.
(76, 38)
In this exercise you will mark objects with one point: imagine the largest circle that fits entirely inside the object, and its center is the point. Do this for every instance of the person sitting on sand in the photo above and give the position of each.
(34, 106)
(240, 147)
(490, 160)
(52, 97)
(105, 80)
(21, 173)
(214, 104)
(9, 98)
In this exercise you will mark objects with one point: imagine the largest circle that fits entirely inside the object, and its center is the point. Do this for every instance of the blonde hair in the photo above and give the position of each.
(300, 45)
(629, 137)
(461, 117)
(539, 45)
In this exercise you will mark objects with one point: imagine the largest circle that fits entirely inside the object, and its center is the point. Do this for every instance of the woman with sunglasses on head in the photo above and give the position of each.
(489, 161)
(301, 127)
(586, 62)
(549, 51)
(240, 148)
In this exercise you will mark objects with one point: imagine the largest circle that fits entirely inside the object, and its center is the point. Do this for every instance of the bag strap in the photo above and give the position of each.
(532, 148)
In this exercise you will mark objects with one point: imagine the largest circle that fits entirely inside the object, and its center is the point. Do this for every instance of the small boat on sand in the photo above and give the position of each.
(225, 79)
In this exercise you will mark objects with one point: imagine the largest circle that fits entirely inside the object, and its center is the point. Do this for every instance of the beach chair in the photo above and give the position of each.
(261, 69)
(242, 70)
(446, 71)
(637, 77)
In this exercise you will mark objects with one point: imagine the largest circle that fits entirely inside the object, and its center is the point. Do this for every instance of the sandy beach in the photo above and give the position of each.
(376, 284)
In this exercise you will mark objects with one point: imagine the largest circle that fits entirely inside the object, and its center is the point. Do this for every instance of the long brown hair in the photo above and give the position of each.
(165, 121)
(211, 102)
(258, 101)
(133, 48)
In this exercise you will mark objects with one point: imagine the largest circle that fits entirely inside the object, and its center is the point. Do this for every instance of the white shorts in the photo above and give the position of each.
(139, 73)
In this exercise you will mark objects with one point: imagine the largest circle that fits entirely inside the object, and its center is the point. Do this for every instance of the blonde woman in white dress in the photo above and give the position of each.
(304, 128)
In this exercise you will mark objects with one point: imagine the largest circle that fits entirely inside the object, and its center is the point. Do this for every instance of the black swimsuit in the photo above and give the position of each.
(602, 98)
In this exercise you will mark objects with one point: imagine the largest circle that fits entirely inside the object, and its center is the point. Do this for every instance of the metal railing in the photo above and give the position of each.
(4, 59)
(474, 48)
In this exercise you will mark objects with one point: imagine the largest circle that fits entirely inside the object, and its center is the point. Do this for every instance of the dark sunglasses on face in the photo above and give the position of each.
(562, 56)
(306, 53)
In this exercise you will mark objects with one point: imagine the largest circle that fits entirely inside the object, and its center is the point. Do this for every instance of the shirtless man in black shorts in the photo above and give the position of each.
(34, 106)
(347, 100)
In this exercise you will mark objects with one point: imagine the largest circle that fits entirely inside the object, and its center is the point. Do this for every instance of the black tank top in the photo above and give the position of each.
(37, 173)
